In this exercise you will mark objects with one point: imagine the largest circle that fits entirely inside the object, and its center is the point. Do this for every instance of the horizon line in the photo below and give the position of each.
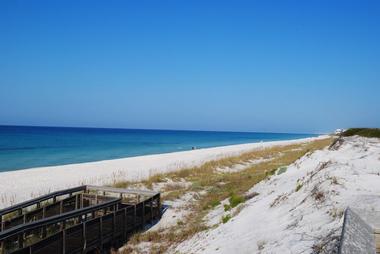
(154, 129)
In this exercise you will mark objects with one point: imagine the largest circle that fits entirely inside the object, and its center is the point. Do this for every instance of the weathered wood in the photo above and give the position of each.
(40, 199)
(97, 207)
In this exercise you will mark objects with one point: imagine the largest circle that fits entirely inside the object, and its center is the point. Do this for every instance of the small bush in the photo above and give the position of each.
(214, 203)
(226, 218)
(270, 172)
(211, 204)
(281, 170)
(227, 208)
(235, 200)
(299, 185)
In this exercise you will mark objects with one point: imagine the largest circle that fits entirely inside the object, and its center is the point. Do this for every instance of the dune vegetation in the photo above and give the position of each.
(212, 185)
(364, 132)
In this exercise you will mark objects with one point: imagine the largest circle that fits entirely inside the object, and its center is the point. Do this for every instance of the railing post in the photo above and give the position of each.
(2, 251)
(134, 216)
(20, 240)
(101, 232)
(61, 207)
(125, 225)
(143, 214)
(84, 235)
(159, 206)
(113, 225)
(63, 241)
(151, 210)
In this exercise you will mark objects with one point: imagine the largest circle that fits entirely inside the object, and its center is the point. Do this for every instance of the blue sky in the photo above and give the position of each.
(285, 66)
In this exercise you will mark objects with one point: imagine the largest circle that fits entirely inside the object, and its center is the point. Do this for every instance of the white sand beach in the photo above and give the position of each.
(22, 185)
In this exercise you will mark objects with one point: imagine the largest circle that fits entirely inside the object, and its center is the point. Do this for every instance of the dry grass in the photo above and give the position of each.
(217, 186)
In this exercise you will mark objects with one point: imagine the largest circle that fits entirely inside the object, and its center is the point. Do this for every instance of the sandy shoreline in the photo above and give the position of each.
(24, 184)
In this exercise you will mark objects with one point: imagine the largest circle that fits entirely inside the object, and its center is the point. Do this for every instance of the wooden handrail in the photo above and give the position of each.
(56, 218)
(41, 199)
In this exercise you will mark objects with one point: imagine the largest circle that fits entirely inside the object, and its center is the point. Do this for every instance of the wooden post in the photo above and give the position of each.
(20, 240)
(101, 232)
(143, 214)
(43, 231)
(84, 235)
(81, 201)
(113, 224)
(151, 211)
(134, 216)
(61, 207)
(125, 225)
(64, 241)
(2, 251)
(159, 206)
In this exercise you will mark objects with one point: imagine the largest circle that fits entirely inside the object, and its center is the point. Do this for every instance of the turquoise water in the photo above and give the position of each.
(26, 147)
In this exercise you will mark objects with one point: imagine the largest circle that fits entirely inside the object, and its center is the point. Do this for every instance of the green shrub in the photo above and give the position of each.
(270, 172)
(211, 204)
(227, 208)
(214, 203)
(364, 132)
(281, 170)
(235, 200)
(226, 218)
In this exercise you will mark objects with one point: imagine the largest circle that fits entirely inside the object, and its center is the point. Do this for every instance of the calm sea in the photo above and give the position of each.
(27, 147)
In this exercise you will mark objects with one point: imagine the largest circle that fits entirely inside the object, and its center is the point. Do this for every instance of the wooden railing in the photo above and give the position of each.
(103, 222)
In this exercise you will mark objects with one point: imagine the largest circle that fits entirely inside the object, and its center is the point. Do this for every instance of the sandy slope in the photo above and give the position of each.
(23, 184)
(283, 220)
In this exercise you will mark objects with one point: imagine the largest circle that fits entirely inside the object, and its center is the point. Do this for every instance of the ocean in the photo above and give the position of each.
(24, 147)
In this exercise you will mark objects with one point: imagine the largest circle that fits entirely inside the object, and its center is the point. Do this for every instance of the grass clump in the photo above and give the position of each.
(364, 132)
(235, 200)
(281, 170)
(226, 218)
(227, 208)
(299, 185)
(212, 204)
(270, 172)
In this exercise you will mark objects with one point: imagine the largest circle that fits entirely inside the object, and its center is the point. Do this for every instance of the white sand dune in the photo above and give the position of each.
(308, 219)
(20, 185)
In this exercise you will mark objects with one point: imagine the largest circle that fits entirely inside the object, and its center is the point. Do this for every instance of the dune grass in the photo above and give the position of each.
(364, 132)
(217, 186)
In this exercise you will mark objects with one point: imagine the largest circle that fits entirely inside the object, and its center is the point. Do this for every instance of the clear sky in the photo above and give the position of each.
(283, 66)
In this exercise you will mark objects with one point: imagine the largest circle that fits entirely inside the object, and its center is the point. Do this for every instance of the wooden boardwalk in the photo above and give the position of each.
(85, 219)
